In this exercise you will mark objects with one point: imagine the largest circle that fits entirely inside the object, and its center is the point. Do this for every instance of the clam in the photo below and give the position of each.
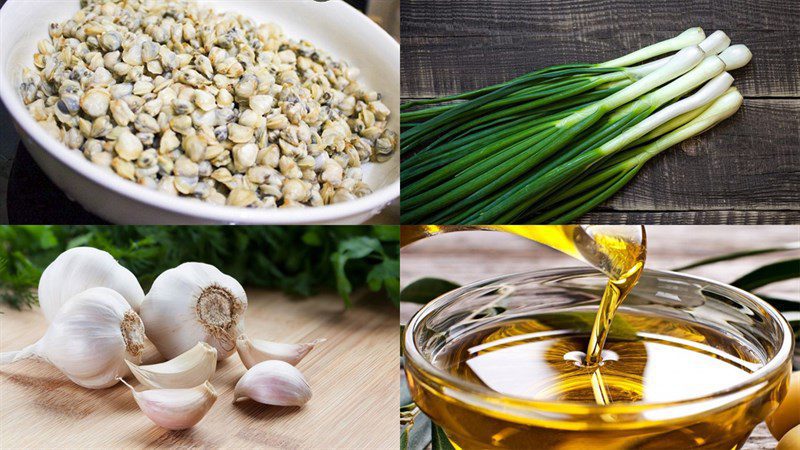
(176, 98)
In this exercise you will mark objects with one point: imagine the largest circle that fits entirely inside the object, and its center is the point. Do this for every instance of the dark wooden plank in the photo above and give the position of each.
(694, 217)
(749, 162)
(524, 17)
(746, 170)
(441, 65)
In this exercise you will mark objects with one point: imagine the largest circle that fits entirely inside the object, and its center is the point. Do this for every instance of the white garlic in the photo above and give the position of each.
(175, 409)
(190, 369)
(254, 351)
(89, 339)
(79, 269)
(193, 303)
(273, 383)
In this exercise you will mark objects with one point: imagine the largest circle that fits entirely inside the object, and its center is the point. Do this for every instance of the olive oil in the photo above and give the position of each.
(590, 386)
(617, 251)
(522, 358)
(646, 360)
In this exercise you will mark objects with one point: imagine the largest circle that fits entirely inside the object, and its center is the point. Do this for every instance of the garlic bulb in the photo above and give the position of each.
(193, 303)
(190, 369)
(273, 383)
(89, 339)
(79, 269)
(175, 409)
(254, 351)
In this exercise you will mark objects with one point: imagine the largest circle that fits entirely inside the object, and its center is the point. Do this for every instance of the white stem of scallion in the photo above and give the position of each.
(713, 89)
(692, 36)
(680, 63)
(706, 70)
(670, 125)
(736, 56)
(723, 107)
(714, 44)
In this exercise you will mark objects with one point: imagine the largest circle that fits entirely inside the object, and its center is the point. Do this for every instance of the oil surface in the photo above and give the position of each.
(649, 360)
(583, 358)
(646, 360)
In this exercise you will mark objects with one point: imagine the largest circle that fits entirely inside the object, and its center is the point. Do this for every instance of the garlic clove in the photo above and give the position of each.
(254, 351)
(193, 303)
(273, 383)
(79, 269)
(90, 339)
(189, 369)
(175, 409)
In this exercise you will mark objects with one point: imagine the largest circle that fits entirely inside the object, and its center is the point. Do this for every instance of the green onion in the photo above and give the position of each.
(512, 150)
(597, 188)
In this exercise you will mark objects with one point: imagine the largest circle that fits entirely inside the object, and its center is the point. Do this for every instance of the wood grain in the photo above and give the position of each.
(480, 17)
(439, 65)
(602, 215)
(352, 376)
(471, 256)
(746, 170)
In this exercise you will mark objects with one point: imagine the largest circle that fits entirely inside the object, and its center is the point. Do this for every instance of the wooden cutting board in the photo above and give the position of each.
(352, 376)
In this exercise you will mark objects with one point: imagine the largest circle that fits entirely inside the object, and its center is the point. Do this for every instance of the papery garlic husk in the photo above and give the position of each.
(175, 409)
(187, 370)
(273, 383)
(89, 339)
(79, 269)
(254, 351)
(193, 303)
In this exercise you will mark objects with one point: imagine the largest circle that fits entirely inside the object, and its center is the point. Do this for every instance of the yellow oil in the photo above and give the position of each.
(646, 359)
(618, 251)
(620, 359)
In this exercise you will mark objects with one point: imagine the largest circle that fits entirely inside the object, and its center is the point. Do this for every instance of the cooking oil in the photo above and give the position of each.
(646, 359)
(569, 368)
(619, 251)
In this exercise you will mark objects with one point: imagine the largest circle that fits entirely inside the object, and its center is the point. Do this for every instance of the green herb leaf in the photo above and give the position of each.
(782, 304)
(385, 274)
(354, 248)
(439, 440)
(387, 233)
(426, 289)
(79, 241)
(417, 433)
(741, 254)
(298, 260)
(404, 437)
(771, 273)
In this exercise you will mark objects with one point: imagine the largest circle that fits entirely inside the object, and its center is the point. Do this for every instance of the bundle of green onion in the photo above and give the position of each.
(549, 146)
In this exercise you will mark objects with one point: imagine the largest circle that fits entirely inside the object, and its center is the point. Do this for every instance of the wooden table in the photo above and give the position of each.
(472, 256)
(352, 376)
(746, 170)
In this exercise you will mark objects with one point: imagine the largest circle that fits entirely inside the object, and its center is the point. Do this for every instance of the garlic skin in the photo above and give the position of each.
(193, 303)
(89, 339)
(190, 369)
(79, 269)
(254, 351)
(175, 409)
(273, 383)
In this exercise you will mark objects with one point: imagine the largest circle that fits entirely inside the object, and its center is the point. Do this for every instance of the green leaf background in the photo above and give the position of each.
(299, 260)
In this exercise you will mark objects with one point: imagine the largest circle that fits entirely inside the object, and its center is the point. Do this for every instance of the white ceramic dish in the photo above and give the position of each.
(333, 26)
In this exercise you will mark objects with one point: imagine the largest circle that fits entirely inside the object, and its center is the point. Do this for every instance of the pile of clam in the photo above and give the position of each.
(194, 103)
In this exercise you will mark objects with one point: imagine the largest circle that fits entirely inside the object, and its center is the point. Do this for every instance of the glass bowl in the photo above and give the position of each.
(475, 416)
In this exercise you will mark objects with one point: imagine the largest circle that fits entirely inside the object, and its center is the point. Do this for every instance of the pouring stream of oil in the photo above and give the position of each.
(618, 251)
